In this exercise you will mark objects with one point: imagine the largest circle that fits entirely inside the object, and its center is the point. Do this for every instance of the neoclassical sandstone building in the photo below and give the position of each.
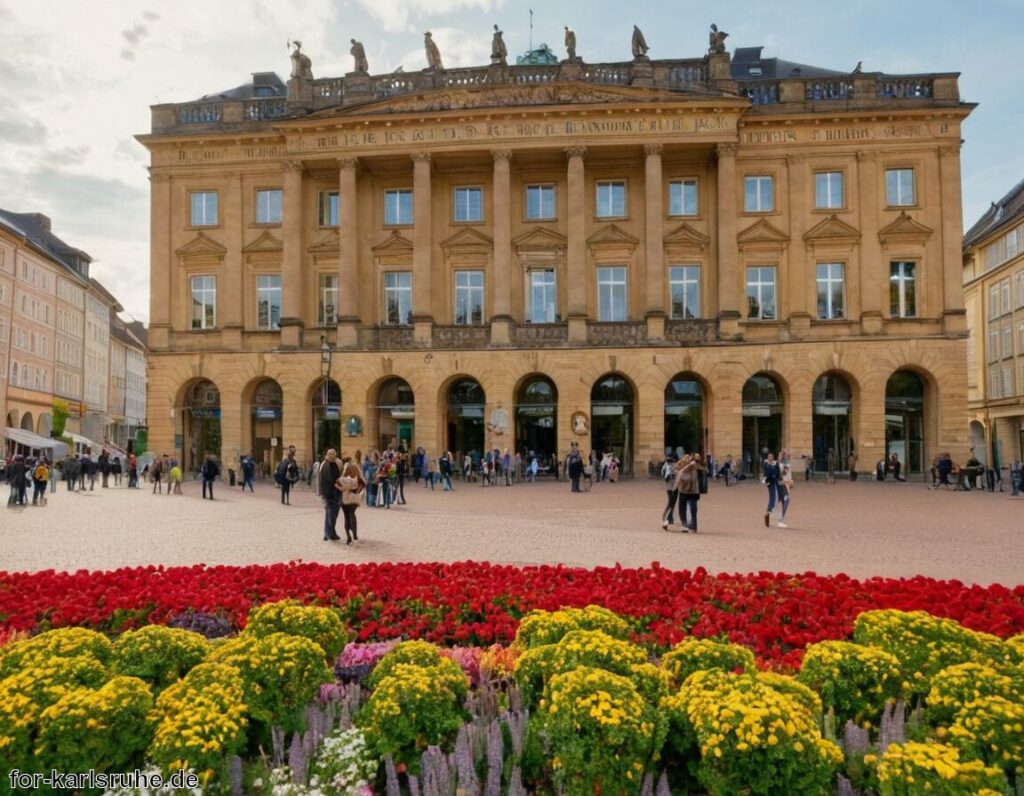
(726, 253)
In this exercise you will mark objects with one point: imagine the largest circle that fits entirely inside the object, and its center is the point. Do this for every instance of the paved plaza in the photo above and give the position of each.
(862, 529)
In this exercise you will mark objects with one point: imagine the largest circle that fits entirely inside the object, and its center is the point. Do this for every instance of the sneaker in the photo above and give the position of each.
(664, 526)
(767, 523)
(783, 525)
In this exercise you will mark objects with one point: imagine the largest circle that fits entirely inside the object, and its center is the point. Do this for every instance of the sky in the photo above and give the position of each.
(77, 78)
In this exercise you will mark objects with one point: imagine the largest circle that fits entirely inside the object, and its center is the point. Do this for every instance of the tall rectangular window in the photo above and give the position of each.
(993, 345)
(902, 290)
(204, 208)
(1007, 342)
(831, 295)
(469, 204)
(994, 304)
(758, 194)
(540, 202)
(398, 298)
(1018, 290)
(684, 290)
(761, 292)
(328, 210)
(899, 187)
(611, 199)
(204, 302)
(469, 297)
(543, 298)
(398, 207)
(1004, 289)
(828, 190)
(268, 301)
(611, 293)
(682, 198)
(268, 206)
(327, 313)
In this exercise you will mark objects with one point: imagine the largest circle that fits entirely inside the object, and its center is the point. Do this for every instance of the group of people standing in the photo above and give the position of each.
(80, 471)
(342, 488)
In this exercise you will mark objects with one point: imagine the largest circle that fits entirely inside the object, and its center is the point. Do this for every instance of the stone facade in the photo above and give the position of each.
(667, 226)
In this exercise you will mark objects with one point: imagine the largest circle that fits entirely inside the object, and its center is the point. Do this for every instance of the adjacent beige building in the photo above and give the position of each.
(723, 253)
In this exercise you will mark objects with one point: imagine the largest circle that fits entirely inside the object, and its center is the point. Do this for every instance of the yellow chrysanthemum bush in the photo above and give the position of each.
(956, 686)
(105, 729)
(413, 653)
(599, 733)
(414, 707)
(1016, 645)
(925, 644)
(854, 681)
(539, 628)
(200, 721)
(792, 687)
(750, 737)
(157, 654)
(693, 654)
(279, 673)
(317, 623)
(934, 769)
(991, 729)
(65, 642)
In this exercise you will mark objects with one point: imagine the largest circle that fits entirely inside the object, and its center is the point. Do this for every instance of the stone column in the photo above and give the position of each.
(162, 290)
(954, 317)
(501, 319)
(291, 262)
(874, 272)
(655, 248)
(422, 242)
(801, 265)
(576, 266)
(230, 291)
(348, 256)
(729, 283)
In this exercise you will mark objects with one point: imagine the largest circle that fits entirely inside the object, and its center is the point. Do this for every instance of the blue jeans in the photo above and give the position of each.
(447, 479)
(331, 520)
(783, 493)
(386, 486)
(688, 502)
(773, 496)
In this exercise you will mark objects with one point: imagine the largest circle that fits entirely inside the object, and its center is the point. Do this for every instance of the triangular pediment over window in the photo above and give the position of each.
(904, 230)
(328, 243)
(201, 247)
(832, 230)
(394, 249)
(468, 240)
(762, 232)
(264, 244)
(686, 236)
(612, 235)
(540, 238)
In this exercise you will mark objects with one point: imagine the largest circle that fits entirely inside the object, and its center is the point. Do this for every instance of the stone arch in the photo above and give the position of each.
(27, 423)
(12, 419)
(463, 415)
(911, 430)
(766, 406)
(685, 425)
(391, 415)
(613, 411)
(976, 435)
(834, 411)
(535, 418)
(197, 419)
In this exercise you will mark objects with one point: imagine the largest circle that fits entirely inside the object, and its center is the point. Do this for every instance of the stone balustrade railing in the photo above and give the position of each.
(855, 89)
(626, 333)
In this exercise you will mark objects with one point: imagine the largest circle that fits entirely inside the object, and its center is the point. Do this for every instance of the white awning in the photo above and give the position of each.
(84, 442)
(54, 448)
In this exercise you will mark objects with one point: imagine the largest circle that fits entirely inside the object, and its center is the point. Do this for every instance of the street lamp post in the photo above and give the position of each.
(325, 375)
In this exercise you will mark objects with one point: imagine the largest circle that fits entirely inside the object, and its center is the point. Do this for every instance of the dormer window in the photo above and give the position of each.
(754, 71)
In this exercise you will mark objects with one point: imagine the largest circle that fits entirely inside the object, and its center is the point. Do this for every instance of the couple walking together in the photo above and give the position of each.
(686, 481)
(341, 489)
(778, 477)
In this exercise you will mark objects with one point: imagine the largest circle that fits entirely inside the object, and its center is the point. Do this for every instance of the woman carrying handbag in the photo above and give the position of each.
(352, 488)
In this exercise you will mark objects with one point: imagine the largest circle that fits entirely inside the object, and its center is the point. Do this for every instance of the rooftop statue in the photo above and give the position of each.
(359, 54)
(640, 47)
(302, 67)
(570, 43)
(433, 54)
(499, 53)
(716, 40)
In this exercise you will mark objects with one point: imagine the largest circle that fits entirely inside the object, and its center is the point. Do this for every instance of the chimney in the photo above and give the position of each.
(41, 220)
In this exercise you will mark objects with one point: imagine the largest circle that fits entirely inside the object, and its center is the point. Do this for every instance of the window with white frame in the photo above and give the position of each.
(682, 198)
(828, 190)
(327, 311)
(268, 301)
(268, 206)
(684, 291)
(831, 293)
(398, 207)
(540, 202)
(204, 302)
(611, 293)
(1007, 341)
(469, 298)
(204, 208)
(761, 292)
(994, 304)
(1020, 336)
(468, 204)
(902, 289)
(610, 201)
(1007, 381)
(758, 193)
(1004, 290)
(328, 208)
(14, 373)
(899, 187)
(543, 300)
(993, 345)
(398, 298)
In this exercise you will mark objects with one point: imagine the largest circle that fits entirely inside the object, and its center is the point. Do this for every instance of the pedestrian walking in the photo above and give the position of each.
(688, 488)
(669, 470)
(429, 469)
(287, 475)
(248, 472)
(351, 485)
(506, 465)
(444, 465)
(402, 470)
(17, 472)
(174, 479)
(133, 471)
(574, 467)
(785, 485)
(116, 470)
(103, 464)
(209, 471)
(54, 471)
(771, 475)
(330, 495)
(156, 470)
(40, 480)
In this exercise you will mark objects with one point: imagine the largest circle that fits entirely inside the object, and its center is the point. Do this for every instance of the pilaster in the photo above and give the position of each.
(291, 262)
(161, 289)
(728, 250)
(423, 319)
(873, 273)
(348, 259)
(654, 256)
(576, 273)
(954, 318)
(501, 320)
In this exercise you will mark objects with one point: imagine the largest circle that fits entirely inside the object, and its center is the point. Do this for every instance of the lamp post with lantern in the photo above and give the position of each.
(328, 405)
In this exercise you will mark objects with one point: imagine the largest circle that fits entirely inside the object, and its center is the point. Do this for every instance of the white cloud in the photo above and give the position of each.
(396, 15)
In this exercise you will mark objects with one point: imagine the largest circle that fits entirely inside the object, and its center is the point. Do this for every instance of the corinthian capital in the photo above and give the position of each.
(576, 151)
(348, 163)
(501, 154)
(421, 157)
(726, 150)
(653, 149)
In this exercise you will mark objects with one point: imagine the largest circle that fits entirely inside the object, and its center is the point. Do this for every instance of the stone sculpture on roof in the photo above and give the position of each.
(362, 66)
(570, 43)
(302, 67)
(433, 54)
(716, 40)
(499, 53)
(640, 47)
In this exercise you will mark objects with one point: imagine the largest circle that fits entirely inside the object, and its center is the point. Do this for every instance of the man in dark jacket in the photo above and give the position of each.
(287, 474)
(16, 478)
(248, 472)
(210, 470)
(574, 467)
(104, 465)
(327, 477)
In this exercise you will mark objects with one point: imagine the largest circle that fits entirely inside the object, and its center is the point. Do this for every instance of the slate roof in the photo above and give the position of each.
(1004, 213)
(745, 59)
(30, 227)
(263, 84)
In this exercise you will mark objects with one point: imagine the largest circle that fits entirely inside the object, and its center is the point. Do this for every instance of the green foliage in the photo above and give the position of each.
(991, 729)
(322, 625)
(692, 654)
(61, 411)
(157, 654)
(854, 681)
(956, 686)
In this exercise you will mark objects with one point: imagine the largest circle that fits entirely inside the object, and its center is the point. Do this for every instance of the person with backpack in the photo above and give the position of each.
(668, 475)
(16, 473)
(40, 478)
(771, 476)
(156, 471)
(287, 475)
(209, 471)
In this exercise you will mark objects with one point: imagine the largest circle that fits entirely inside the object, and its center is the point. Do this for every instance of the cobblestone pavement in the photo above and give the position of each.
(862, 529)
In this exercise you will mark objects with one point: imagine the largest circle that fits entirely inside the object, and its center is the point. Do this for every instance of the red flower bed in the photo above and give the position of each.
(481, 603)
